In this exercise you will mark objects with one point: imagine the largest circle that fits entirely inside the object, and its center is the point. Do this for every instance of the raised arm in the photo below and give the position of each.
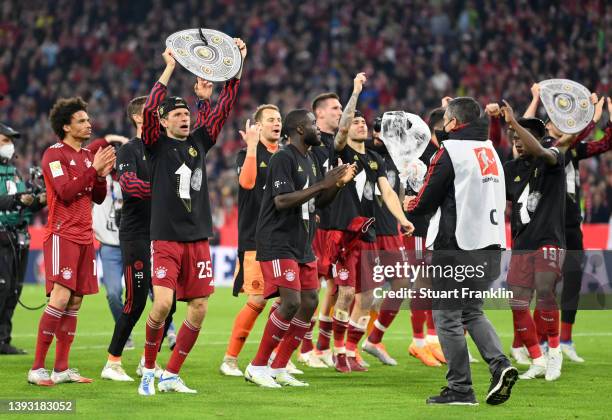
(150, 118)
(532, 109)
(349, 112)
(531, 145)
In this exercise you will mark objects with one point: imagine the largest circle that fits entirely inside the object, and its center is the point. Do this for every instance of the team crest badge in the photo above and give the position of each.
(373, 165)
(66, 273)
(343, 274)
(160, 272)
(290, 275)
(138, 265)
(192, 151)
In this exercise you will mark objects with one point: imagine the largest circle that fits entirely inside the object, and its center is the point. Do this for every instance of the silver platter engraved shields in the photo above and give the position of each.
(209, 54)
(567, 104)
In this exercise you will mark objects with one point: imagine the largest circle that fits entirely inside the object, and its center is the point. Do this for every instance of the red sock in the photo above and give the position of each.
(64, 336)
(186, 338)
(525, 327)
(325, 332)
(417, 318)
(566, 332)
(540, 326)
(354, 334)
(275, 330)
(273, 308)
(339, 328)
(295, 334)
(385, 318)
(550, 322)
(154, 336)
(47, 326)
(517, 341)
(431, 327)
(307, 340)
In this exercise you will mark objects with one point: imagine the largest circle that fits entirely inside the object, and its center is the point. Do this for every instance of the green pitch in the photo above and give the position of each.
(385, 392)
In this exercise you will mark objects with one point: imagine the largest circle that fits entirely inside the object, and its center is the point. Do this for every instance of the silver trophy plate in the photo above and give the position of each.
(209, 54)
(406, 137)
(567, 104)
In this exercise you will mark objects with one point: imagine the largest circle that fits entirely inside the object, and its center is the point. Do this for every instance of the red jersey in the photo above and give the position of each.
(72, 184)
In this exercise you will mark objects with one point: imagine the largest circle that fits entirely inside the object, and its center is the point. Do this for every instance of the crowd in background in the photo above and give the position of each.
(414, 52)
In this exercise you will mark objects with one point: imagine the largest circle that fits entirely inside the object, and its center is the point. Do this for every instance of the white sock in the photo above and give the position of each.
(540, 361)
(432, 339)
(420, 342)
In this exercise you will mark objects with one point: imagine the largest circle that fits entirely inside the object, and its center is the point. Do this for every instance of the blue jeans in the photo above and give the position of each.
(112, 273)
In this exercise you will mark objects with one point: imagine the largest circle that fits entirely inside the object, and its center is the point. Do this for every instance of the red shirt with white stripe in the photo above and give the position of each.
(72, 184)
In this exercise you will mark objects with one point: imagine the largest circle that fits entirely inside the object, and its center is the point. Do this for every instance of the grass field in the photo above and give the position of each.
(385, 392)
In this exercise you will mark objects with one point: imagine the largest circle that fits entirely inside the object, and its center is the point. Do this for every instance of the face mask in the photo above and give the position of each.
(7, 151)
(441, 135)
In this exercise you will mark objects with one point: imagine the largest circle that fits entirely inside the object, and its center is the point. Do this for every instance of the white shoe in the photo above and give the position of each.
(229, 367)
(569, 351)
(69, 375)
(284, 378)
(147, 382)
(292, 369)
(379, 351)
(115, 372)
(472, 359)
(173, 383)
(311, 360)
(40, 377)
(260, 375)
(555, 361)
(520, 355)
(325, 356)
(534, 371)
(140, 368)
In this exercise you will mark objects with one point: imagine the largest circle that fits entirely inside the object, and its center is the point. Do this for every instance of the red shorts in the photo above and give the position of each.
(290, 274)
(70, 264)
(326, 246)
(355, 269)
(415, 248)
(391, 249)
(523, 266)
(184, 267)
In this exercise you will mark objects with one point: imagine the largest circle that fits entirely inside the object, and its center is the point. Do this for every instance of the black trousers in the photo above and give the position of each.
(137, 273)
(572, 274)
(13, 264)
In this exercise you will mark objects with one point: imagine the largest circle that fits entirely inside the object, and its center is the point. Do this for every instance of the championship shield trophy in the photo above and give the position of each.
(207, 53)
(406, 137)
(567, 104)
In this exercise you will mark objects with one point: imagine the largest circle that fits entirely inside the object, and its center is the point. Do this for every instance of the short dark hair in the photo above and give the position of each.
(135, 107)
(435, 117)
(293, 119)
(464, 109)
(62, 111)
(534, 125)
(319, 99)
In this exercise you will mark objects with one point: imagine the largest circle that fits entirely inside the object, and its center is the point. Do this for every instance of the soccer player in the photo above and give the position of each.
(181, 220)
(285, 230)
(252, 163)
(353, 204)
(327, 110)
(134, 179)
(535, 184)
(572, 266)
(74, 178)
(390, 243)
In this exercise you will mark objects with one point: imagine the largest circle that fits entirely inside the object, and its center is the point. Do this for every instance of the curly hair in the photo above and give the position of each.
(62, 111)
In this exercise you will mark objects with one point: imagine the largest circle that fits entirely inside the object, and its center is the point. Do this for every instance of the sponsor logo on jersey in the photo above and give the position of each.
(486, 160)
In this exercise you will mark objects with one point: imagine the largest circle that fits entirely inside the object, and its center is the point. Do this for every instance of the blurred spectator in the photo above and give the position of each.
(414, 53)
